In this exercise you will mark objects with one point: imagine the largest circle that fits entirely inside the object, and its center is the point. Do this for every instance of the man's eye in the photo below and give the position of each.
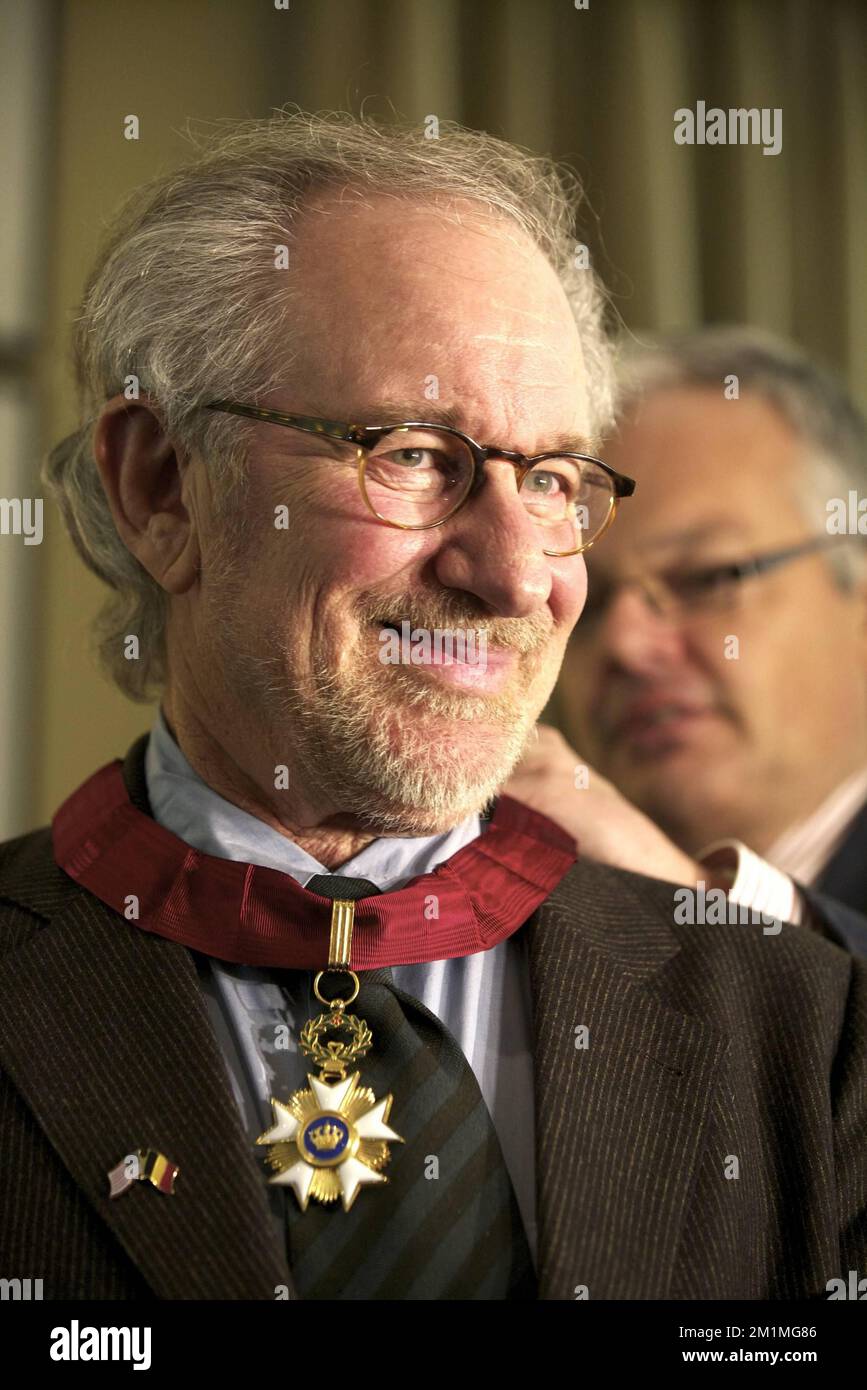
(543, 483)
(412, 458)
(702, 584)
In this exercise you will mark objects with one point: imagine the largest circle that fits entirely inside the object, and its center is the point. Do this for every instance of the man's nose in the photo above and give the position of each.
(635, 636)
(493, 548)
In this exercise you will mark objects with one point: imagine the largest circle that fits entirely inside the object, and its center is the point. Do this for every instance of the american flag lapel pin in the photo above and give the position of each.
(143, 1165)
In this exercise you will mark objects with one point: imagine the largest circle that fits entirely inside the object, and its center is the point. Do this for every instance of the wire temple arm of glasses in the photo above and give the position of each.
(761, 563)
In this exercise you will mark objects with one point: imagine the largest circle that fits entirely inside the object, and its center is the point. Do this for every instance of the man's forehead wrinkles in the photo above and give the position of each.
(513, 341)
(533, 314)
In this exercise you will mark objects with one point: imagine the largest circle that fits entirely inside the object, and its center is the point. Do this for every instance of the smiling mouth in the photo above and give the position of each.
(450, 655)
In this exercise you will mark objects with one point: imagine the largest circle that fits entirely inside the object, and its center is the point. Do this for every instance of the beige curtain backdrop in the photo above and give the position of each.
(681, 235)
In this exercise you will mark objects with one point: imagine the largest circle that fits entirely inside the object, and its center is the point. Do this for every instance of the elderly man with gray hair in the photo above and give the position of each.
(718, 675)
(293, 1003)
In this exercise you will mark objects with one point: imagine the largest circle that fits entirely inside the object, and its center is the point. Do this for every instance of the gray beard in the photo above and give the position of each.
(342, 742)
(333, 730)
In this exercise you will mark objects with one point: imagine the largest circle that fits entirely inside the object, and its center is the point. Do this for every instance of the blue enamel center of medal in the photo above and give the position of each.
(313, 1136)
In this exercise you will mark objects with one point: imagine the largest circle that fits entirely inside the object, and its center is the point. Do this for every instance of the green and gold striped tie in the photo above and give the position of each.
(447, 1223)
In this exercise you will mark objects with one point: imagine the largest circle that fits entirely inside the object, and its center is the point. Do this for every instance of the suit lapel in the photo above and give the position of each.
(619, 1118)
(105, 1033)
(845, 877)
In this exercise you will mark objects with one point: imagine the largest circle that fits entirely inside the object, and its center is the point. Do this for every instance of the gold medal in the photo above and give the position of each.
(332, 1139)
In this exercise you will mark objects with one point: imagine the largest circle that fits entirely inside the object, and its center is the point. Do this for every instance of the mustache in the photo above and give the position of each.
(615, 704)
(523, 635)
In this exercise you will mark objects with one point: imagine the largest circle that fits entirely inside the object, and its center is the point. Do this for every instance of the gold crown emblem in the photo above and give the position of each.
(326, 1136)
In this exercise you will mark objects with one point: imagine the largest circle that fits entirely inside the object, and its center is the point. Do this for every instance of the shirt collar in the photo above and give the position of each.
(805, 849)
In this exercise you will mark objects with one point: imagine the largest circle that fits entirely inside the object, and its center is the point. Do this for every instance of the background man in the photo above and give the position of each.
(718, 676)
(556, 1070)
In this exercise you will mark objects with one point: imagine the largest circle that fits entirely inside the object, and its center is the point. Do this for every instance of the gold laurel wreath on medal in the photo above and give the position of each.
(334, 1057)
(331, 1140)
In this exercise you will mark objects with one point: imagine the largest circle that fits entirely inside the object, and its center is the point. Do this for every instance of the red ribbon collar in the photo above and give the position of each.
(256, 916)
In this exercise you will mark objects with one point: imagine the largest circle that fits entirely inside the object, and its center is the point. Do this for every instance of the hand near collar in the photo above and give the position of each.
(605, 825)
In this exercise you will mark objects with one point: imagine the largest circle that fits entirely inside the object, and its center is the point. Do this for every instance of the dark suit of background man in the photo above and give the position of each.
(718, 676)
(589, 1098)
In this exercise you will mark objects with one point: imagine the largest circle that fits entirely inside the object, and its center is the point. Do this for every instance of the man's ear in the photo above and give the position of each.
(143, 478)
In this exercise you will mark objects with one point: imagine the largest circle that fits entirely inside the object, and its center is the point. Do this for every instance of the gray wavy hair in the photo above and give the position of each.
(181, 298)
(809, 397)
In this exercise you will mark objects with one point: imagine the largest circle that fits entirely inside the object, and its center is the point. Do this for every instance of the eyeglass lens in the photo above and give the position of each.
(416, 477)
(673, 594)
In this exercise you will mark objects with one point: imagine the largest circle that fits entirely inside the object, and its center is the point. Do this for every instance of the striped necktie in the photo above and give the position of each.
(447, 1223)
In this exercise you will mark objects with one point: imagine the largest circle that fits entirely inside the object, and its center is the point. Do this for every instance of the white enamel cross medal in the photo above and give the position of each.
(332, 1139)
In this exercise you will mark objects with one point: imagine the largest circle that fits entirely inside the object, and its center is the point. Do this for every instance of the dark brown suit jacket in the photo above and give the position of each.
(707, 1044)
